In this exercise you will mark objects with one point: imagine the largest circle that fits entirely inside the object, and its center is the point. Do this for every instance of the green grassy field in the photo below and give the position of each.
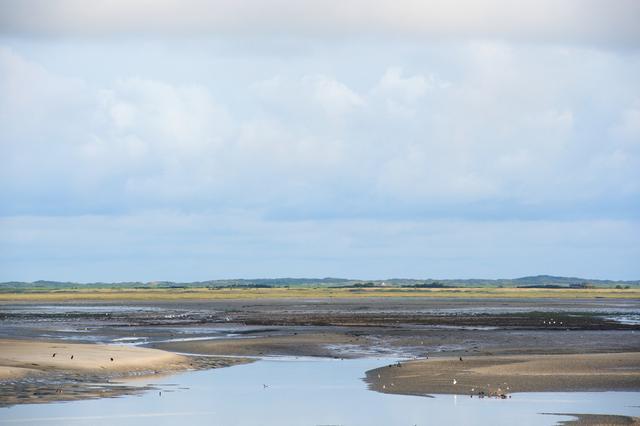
(307, 293)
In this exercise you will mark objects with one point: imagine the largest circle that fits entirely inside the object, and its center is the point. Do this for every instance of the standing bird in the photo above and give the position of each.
(54, 355)
(111, 359)
(71, 356)
(460, 358)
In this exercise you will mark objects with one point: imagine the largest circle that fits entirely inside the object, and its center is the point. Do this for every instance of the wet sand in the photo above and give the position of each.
(597, 420)
(294, 344)
(502, 375)
(337, 342)
(7, 373)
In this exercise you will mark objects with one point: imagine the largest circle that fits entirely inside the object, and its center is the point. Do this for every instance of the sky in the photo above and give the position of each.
(193, 140)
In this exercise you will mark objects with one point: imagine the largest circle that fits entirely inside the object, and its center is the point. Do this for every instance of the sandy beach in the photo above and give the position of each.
(44, 371)
(509, 374)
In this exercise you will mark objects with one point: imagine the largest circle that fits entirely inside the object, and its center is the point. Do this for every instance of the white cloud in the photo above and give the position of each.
(400, 93)
(333, 96)
(313, 94)
(408, 89)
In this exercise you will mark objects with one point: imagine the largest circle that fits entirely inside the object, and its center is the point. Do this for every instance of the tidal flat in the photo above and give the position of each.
(366, 335)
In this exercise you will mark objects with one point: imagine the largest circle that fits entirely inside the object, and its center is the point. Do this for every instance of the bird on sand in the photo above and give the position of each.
(54, 355)
(71, 356)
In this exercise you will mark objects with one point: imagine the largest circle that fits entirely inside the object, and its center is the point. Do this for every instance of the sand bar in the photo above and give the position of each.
(508, 374)
(24, 357)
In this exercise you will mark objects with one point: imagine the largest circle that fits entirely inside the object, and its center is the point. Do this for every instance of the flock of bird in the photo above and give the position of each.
(499, 392)
(55, 353)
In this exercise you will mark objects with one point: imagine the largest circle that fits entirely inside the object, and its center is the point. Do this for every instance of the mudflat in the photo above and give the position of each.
(498, 333)
(502, 375)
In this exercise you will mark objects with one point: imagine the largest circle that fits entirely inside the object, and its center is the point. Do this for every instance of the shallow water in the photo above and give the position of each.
(631, 319)
(309, 392)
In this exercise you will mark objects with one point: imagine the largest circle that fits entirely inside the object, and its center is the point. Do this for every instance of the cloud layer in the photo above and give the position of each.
(567, 21)
(410, 143)
(346, 143)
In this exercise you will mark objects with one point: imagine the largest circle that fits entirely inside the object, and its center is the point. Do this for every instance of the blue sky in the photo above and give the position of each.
(196, 140)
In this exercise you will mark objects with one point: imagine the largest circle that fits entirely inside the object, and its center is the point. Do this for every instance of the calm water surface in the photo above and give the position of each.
(309, 392)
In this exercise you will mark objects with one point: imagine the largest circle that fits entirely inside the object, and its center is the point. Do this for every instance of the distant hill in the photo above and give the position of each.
(538, 281)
